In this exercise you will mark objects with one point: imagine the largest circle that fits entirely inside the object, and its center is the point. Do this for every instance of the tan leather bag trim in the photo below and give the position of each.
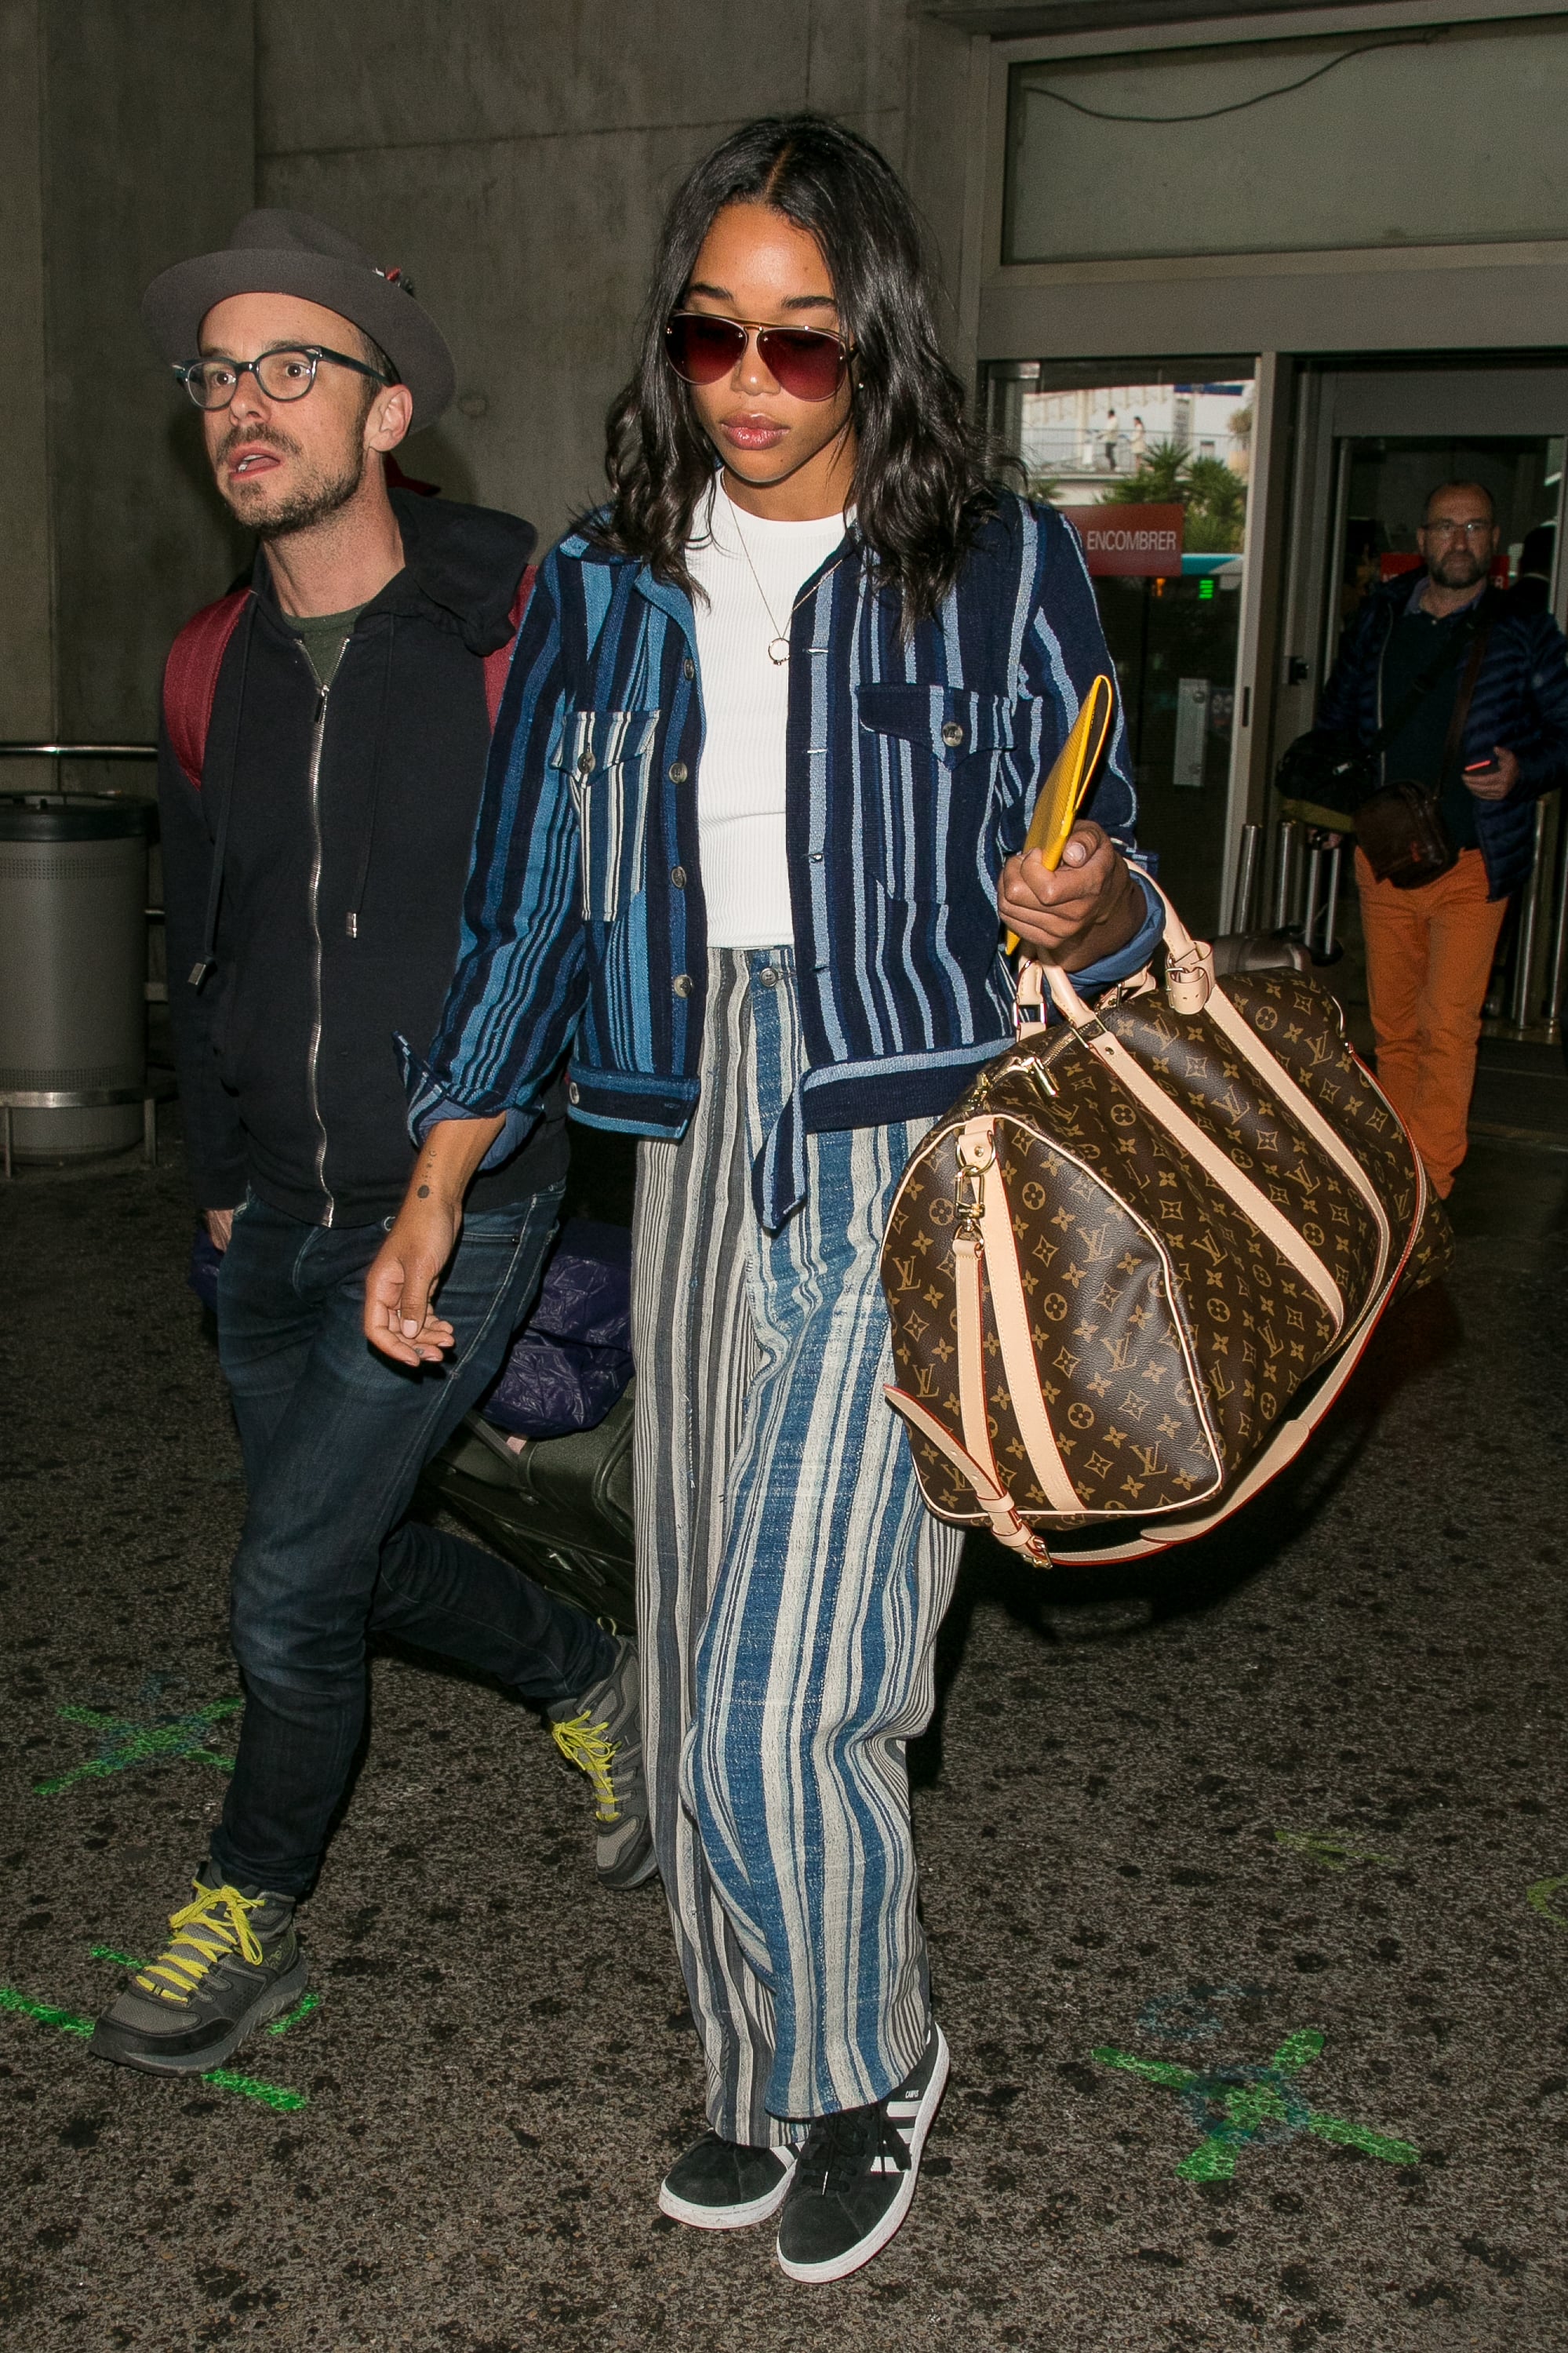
(971, 1355)
(1235, 1026)
(1006, 1522)
(1288, 1441)
(1129, 1072)
(1011, 1310)
(1189, 1364)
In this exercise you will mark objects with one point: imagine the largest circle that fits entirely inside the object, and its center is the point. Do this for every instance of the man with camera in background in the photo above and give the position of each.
(1444, 684)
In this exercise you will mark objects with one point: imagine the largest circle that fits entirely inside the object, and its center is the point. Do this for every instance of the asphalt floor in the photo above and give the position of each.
(1247, 1880)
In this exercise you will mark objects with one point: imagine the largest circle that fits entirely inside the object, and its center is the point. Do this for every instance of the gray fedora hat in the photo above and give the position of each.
(293, 253)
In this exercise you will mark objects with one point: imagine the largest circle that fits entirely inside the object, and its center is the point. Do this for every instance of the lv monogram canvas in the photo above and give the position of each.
(1115, 1267)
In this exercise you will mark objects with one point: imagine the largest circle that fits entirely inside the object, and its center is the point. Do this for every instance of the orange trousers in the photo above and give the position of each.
(1429, 961)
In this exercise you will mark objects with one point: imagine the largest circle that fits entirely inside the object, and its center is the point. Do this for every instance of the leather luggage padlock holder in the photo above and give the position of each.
(1130, 1271)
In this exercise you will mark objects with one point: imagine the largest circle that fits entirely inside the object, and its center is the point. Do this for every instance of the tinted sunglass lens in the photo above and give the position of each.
(703, 349)
(807, 364)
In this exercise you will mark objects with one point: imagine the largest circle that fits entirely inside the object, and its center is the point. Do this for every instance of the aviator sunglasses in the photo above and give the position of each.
(807, 363)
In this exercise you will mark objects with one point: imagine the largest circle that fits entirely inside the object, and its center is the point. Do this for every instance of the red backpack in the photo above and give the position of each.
(196, 658)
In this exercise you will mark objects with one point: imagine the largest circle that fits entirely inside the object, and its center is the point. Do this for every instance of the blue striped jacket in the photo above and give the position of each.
(1521, 699)
(911, 770)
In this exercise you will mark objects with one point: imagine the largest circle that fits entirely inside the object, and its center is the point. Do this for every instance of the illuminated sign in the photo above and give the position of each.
(1137, 542)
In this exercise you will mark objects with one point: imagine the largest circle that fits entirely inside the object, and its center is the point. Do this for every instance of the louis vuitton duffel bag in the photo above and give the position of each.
(1131, 1269)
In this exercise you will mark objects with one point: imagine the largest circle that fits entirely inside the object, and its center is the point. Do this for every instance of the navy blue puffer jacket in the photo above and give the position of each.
(1521, 700)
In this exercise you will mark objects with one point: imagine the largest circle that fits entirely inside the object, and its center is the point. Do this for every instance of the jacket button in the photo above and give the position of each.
(678, 877)
(677, 772)
(574, 1093)
(688, 669)
(952, 735)
(586, 764)
(681, 984)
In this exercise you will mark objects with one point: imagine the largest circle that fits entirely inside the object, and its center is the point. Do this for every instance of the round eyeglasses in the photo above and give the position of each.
(805, 361)
(286, 373)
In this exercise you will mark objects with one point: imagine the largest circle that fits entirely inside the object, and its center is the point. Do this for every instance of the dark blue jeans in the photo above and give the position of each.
(335, 1437)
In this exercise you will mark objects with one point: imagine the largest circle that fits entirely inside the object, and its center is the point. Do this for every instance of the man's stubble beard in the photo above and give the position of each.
(318, 492)
(1472, 569)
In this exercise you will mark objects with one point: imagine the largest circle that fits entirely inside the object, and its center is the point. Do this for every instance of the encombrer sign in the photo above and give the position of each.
(1128, 541)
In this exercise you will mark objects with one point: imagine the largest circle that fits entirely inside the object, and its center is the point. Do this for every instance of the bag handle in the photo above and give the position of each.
(1190, 976)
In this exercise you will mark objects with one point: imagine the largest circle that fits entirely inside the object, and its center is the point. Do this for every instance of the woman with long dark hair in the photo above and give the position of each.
(759, 787)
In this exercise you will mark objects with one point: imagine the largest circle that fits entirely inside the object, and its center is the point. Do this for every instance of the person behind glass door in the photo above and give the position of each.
(1430, 950)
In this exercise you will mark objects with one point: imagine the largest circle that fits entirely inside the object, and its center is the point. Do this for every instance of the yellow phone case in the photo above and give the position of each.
(1062, 794)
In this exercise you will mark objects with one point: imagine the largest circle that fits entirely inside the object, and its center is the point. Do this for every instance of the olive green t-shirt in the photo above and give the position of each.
(324, 637)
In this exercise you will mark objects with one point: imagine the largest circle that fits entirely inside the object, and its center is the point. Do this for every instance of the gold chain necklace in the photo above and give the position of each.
(778, 643)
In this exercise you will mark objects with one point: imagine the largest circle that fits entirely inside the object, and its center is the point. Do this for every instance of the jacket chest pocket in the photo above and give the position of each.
(929, 762)
(607, 759)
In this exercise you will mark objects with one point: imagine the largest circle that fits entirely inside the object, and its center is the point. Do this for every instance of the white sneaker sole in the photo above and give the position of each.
(839, 2266)
(729, 2218)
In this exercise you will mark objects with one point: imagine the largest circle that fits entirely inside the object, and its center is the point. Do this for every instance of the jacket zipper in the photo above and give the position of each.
(318, 730)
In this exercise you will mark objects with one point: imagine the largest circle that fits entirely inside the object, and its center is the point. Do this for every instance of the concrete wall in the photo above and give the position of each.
(127, 140)
(516, 161)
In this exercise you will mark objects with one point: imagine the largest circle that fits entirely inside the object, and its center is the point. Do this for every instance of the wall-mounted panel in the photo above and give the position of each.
(1450, 134)
(1440, 301)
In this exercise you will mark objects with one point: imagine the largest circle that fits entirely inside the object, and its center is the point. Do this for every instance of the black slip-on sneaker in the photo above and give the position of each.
(722, 2185)
(855, 2180)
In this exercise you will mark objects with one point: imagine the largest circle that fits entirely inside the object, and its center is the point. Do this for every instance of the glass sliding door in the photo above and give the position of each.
(1153, 475)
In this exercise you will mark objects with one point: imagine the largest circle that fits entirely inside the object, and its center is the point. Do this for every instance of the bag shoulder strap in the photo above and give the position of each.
(1455, 738)
(497, 664)
(190, 679)
(1478, 630)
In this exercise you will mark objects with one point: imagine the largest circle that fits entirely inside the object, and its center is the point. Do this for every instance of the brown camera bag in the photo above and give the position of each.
(1132, 1269)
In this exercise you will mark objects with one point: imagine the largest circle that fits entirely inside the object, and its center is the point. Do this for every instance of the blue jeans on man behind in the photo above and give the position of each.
(335, 1437)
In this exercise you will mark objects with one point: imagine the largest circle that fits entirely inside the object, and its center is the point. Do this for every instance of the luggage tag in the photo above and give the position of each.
(1062, 794)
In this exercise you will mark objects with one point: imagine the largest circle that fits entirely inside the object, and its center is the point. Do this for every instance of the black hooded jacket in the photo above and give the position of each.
(341, 895)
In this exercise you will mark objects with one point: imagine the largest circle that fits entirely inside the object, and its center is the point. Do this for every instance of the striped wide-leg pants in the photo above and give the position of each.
(791, 1585)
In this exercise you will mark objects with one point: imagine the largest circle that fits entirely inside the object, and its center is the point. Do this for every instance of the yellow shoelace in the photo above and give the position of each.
(588, 1745)
(208, 1930)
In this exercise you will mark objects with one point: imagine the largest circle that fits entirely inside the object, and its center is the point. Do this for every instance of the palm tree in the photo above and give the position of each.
(1215, 498)
(1160, 479)
(1216, 508)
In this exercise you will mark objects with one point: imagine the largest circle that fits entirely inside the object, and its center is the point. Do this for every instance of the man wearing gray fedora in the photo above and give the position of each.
(325, 736)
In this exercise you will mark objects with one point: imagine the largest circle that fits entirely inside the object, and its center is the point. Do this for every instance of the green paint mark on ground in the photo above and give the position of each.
(129, 1741)
(1540, 1898)
(302, 2010)
(1233, 2107)
(109, 1953)
(1334, 1854)
(271, 2096)
(67, 2021)
(222, 2079)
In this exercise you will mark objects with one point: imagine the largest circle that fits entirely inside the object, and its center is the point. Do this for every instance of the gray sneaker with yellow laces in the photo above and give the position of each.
(234, 1962)
(601, 1734)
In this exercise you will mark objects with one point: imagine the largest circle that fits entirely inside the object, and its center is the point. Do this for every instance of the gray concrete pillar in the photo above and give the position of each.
(128, 141)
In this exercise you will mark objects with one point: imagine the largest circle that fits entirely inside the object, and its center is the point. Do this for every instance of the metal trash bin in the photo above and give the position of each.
(73, 969)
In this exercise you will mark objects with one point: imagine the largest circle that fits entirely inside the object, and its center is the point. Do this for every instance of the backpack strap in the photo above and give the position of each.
(497, 664)
(190, 679)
